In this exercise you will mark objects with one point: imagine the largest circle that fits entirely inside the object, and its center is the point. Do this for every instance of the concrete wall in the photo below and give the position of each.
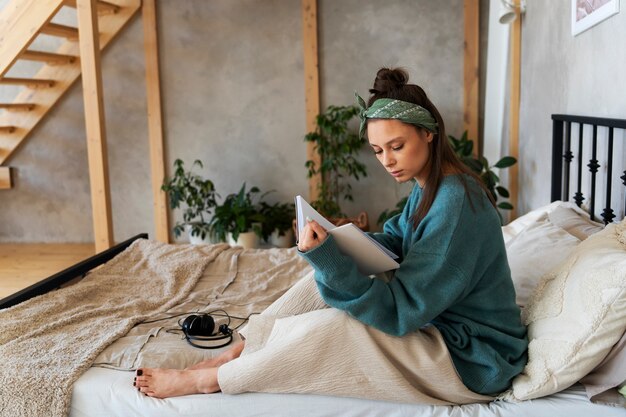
(233, 92)
(561, 73)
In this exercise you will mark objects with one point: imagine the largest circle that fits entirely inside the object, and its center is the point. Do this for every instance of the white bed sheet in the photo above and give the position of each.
(101, 392)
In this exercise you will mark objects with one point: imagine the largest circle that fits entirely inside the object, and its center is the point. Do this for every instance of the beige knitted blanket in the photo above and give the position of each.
(47, 342)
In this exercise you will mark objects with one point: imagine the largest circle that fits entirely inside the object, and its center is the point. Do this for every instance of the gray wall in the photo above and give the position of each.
(561, 73)
(233, 92)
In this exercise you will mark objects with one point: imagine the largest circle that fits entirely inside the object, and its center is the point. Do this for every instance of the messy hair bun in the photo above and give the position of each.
(388, 80)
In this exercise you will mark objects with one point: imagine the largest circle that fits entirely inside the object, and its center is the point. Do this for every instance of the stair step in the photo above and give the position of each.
(63, 31)
(103, 6)
(7, 129)
(48, 57)
(30, 82)
(17, 106)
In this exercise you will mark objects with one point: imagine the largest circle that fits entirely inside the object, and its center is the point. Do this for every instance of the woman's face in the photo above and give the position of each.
(401, 148)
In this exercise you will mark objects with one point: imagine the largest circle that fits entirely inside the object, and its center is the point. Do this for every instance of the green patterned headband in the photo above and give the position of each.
(387, 108)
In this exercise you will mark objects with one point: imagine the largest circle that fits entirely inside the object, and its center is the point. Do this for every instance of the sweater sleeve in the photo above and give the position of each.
(392, 235)
(423, 287)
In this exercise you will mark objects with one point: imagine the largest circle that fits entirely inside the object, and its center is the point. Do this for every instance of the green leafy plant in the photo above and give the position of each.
(278, 216)
(464, 147)
(338, 149)
(197, 193)
(237, 214)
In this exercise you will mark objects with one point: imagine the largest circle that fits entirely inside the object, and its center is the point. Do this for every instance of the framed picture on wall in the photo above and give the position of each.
(588, 13)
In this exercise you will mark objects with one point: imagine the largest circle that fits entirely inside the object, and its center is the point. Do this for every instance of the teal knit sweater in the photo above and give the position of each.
(453, 274)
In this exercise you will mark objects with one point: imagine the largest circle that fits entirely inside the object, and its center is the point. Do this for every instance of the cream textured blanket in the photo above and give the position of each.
(47, 342)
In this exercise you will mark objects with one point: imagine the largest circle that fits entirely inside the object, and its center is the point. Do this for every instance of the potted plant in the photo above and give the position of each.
(237, 220)
(463, 148)
(277, 223)
(198, 194)
(338, 148)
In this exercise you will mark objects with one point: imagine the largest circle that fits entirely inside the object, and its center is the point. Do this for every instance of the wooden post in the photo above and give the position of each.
(94, 123)
(5, 178)
(516, 49)
(311, 84)
(471, 79)
(155, 121)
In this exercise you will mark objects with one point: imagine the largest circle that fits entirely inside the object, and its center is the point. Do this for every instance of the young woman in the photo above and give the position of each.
(444, 329)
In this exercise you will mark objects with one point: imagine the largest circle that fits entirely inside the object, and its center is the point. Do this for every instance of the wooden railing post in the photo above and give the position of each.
(155, 121)
(311, 85)
(94, 124)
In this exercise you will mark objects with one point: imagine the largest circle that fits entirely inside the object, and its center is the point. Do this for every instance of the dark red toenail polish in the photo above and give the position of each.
(134, 384)
(139, 372)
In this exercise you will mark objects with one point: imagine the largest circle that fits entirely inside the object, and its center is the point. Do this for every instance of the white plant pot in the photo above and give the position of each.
(197, 240)
(247, 240)
(284, 241)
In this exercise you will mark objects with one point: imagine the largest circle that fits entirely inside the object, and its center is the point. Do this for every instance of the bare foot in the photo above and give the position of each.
(164, 383)
(225, 357)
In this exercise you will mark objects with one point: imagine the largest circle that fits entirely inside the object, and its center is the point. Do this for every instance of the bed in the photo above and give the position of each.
(144, 329)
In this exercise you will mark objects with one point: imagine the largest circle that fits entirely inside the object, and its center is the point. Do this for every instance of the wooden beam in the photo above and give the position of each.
(516, 51)
(18, 106)
(29, 82)
(20, 21)
(94, 122)
(5, 178)
(63, 31)
(104, 7)
(49, 58)
(155, 121)
(471, 78)
(311, 84)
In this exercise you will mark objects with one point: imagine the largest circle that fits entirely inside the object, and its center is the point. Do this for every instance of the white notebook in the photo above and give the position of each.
(370, 256)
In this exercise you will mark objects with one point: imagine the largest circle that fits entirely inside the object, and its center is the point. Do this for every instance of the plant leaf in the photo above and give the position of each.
(506, 162)
(502, 191)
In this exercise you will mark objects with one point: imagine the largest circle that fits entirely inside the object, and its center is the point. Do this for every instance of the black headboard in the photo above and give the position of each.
(565, 128)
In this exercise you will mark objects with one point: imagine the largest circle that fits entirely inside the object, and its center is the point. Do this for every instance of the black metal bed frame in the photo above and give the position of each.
(79, 270)
(561, 151)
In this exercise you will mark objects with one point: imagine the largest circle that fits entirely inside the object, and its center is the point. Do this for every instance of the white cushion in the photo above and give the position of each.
(535, 251)
(570, 219)
(575, 222)
(576, 315)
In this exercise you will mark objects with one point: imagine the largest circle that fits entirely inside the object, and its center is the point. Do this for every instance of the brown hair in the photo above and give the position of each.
(392, 83)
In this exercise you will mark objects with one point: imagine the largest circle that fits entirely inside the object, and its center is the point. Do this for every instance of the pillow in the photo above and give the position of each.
(576, 315)
(535, 251)
(576, 223)
(572, 217)
(512, 229)
(611, 373)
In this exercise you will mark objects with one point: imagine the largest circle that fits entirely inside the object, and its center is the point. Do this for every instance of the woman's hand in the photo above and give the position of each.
(312, 235)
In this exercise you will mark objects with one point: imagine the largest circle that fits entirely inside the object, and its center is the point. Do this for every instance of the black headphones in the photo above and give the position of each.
(200, 328)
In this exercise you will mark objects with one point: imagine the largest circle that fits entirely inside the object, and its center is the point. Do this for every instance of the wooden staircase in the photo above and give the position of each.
(21, 22)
